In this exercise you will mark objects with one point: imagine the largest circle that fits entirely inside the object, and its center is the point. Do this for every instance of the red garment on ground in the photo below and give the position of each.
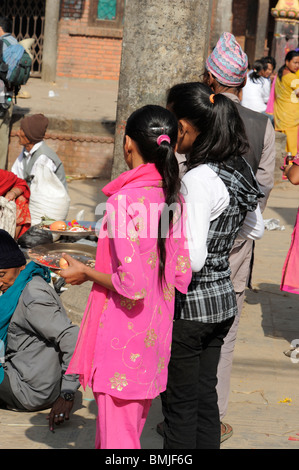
(9, 180)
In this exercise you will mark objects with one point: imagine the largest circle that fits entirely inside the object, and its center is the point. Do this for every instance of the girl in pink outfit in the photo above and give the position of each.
(123, 348)
(290, 270)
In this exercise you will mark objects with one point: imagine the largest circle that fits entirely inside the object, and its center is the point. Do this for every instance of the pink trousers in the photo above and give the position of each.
(119, 422)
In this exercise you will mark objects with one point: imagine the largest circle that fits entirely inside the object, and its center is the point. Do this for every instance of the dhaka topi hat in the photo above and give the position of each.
(228, 63)
(35, 127)
(10, 254)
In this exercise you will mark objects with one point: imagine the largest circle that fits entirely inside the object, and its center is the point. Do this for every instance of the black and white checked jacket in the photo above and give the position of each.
(211, 297)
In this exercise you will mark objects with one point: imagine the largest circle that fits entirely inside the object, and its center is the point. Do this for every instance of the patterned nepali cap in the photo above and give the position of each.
(228, 63)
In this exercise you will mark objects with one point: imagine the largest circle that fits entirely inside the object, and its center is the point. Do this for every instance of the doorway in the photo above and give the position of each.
(28, 20)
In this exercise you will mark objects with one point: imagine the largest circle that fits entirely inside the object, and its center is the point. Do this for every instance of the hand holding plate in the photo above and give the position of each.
(75, 272)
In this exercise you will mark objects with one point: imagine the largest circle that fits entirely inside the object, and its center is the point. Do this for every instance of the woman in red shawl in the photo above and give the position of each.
(16, 189)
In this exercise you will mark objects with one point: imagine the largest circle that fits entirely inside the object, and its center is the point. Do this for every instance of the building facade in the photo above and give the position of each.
(90, 32)
(83, 39)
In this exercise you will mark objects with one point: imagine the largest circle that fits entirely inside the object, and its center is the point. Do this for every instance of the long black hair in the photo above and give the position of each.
(290, 55)
(258, 67)
(221, 131)
(144, 126)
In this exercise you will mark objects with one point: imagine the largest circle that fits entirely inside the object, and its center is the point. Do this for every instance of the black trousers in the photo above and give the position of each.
(190, 404)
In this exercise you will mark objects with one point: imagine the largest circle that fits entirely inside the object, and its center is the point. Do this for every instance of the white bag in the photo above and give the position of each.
(48, 196)
(8, 216)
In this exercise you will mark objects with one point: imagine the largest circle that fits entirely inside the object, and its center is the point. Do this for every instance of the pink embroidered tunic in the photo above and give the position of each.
(134, 332)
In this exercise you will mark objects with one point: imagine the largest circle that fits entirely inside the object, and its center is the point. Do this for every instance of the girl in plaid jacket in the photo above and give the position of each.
(219, 189)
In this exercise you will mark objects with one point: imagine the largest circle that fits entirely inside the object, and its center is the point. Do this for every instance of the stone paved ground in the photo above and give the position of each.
(264, 394)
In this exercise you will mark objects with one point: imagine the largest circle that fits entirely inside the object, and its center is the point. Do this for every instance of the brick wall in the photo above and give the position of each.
(85, 51)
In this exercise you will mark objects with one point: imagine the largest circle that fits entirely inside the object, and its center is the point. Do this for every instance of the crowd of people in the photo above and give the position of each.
(168, 289)
(276, 95)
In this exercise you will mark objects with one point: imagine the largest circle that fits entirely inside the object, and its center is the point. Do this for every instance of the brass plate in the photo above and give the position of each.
(49, 254)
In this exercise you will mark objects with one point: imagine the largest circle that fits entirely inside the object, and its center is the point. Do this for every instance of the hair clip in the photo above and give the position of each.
(163, 137)
(211, 97)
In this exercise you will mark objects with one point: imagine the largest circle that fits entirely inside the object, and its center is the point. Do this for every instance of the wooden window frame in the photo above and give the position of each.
(116, 24)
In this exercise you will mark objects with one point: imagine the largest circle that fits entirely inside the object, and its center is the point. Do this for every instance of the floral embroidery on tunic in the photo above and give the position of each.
(150, 338)
(134, 238)
(105, 305)
(133, 357)
(133, 231)
(161, 364)
(168, 292)
(119, 381)
(127, 303)
(183, 264)
(140, 295)
(152, 260)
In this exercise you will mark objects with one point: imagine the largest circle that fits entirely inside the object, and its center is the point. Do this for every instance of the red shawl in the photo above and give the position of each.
(9, 180)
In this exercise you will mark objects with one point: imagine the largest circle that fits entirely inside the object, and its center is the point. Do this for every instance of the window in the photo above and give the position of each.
(106, 10)
(107, 13)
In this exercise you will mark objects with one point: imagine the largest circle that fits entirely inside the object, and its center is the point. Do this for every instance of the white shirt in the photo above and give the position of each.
(255, 95)
(206, 197)
(18, 167)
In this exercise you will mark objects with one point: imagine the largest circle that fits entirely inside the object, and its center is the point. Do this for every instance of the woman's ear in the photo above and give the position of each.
(182, 128)
(127, 145)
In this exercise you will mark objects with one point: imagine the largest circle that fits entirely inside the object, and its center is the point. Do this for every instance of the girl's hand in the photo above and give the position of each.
(10, 195)
(75, 272)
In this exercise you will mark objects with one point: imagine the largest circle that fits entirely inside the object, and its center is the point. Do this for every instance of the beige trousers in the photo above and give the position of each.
(240, 258)
(4, 136)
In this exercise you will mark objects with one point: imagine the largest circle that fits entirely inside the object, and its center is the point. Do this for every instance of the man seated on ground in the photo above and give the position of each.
(37, 338)
(31, 134)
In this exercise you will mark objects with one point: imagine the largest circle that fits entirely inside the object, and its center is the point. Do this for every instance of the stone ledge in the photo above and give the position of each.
(101, 127)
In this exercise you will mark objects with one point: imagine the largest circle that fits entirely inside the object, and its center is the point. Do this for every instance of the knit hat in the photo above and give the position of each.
(10, 254)
(228, 63)
(35, 127)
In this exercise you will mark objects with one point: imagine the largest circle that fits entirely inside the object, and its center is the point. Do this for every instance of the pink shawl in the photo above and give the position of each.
(82, 359)
(81, 362)
(290, 271)
(270, 104)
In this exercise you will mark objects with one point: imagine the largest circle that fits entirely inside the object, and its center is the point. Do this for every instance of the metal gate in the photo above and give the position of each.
(28, 21)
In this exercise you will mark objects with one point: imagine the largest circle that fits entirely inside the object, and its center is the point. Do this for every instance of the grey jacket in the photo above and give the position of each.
(44, 150)
(241, 254)
(40, 342)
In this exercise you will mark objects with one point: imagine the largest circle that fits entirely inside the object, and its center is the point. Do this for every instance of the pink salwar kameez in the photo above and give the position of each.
(123, 349)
